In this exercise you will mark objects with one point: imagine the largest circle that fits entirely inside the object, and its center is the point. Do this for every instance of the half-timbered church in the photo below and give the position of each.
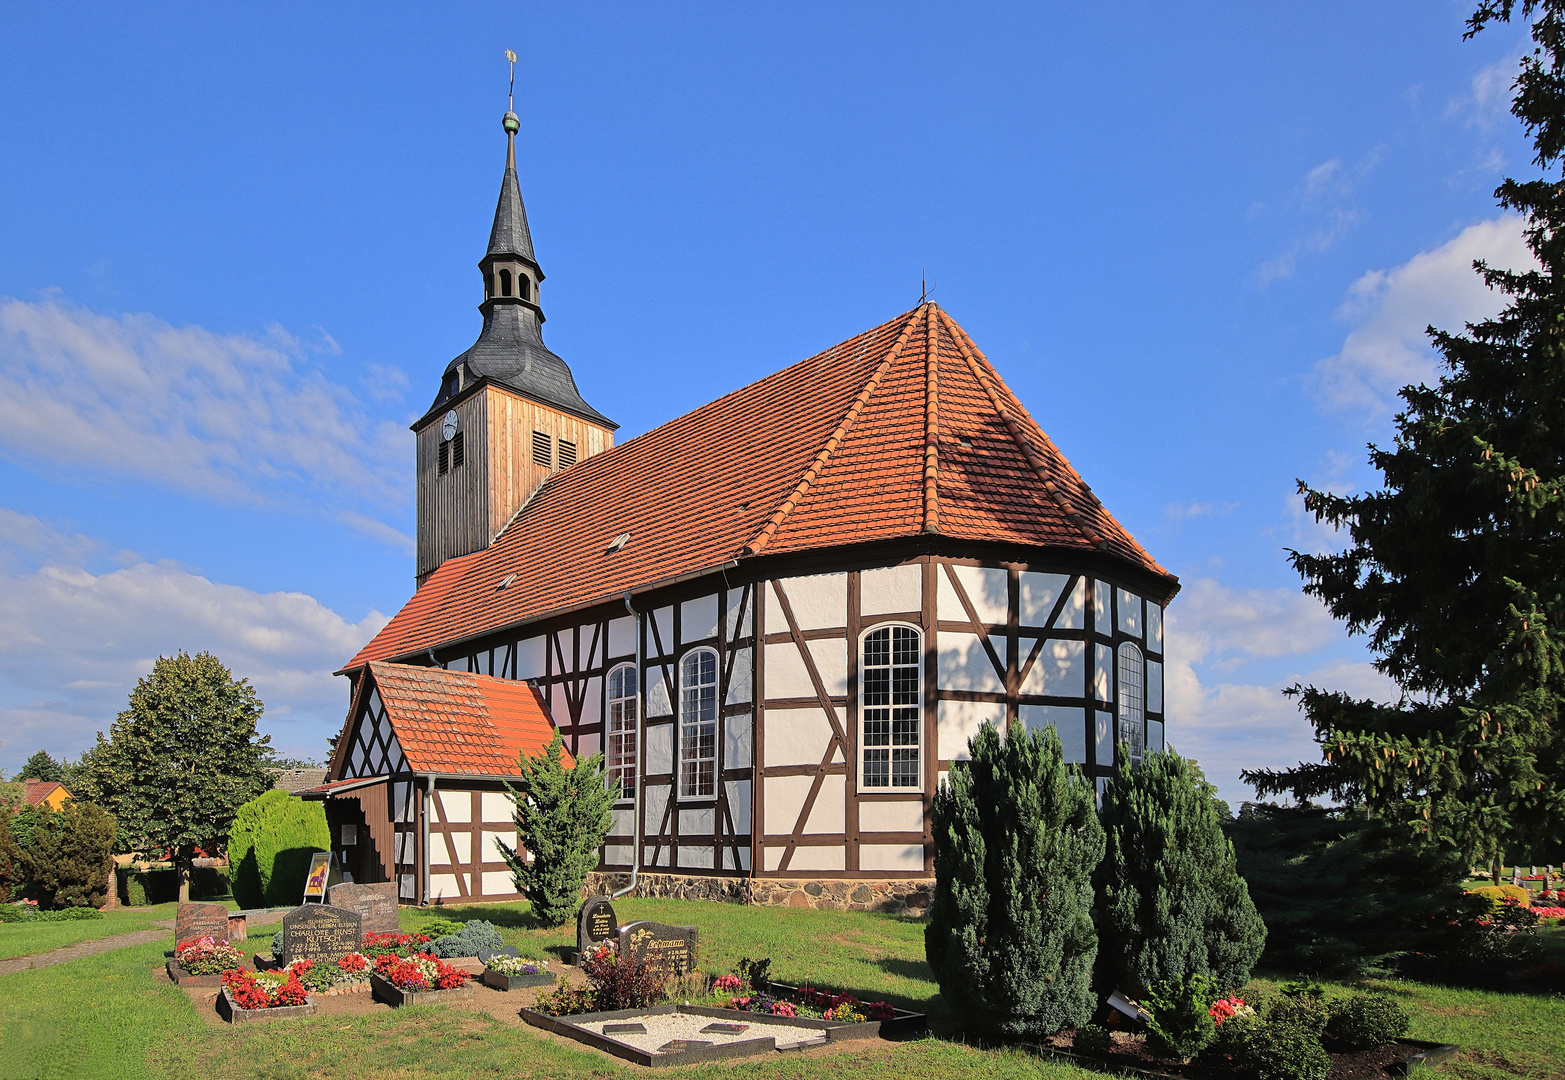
(780, 616)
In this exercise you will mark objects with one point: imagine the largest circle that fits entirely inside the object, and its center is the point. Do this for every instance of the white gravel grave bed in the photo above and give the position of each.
(663, 1028)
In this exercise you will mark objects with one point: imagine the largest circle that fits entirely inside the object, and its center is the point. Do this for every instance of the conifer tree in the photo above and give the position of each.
(1171, 903)
(1010, 934)
(68, 862)
(41, 766)
(562, 815)
(1456, 566)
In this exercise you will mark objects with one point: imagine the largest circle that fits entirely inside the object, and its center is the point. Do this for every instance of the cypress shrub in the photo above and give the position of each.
(1010, 934)
(562, 815)
(10, 864)
(1171, 903)
(68, 862)
(269, 848)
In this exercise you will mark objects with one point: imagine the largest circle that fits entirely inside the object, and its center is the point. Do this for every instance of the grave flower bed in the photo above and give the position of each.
(513, 973)
(269, 996)
(416, 979)
(202, 962)
(346, 975)
(393, 944)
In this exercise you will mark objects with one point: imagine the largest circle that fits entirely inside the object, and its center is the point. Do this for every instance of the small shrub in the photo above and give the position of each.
(277, 944)
(440, 926)
(11, 913)
(1181, 1023)
(624, 982)
(1497, 895)
(1280, 1050)
(1366, 1020)
(1234, 1034)
(476, 934)
(69, 863)
(568, 1001)
(757, 974)
(1093, 1039)
(1303, 1004)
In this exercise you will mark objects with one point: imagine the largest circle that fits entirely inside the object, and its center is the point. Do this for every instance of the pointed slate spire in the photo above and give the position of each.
(510, 235)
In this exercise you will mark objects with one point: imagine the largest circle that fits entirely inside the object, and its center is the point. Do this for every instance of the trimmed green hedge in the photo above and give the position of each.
(270, 845)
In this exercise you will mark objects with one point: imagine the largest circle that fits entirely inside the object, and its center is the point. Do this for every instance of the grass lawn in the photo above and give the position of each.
(25, 939)
(104, 1016)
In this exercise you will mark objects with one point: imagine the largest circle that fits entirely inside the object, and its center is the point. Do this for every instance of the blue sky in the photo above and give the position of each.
(1200, 242)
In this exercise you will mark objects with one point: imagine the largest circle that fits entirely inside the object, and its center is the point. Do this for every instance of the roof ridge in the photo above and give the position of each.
(1034, 459)
(931, 423)
(790, 502)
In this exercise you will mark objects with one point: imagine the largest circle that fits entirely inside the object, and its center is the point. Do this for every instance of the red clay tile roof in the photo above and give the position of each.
(452, 722)
(39, 790)
(904, 430)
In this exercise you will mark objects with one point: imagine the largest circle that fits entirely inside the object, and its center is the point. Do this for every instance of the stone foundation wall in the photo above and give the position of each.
(911, 895)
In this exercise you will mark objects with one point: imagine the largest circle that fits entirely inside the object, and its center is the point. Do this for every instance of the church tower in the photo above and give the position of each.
(508, 414)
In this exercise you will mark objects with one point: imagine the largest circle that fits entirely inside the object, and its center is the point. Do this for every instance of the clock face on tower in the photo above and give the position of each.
(448, 426)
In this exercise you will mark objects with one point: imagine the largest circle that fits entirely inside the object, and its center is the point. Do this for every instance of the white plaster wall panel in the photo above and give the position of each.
(496, 806)
(587, 745)
(786, 675)
(1102, 608)
(965, 665)
(1038, 595)
(1071, 724)
(405, 890)
(663, 617)
(622, 637)
(1105, 737)
(892, 590)
(458, 805)
(559, 706)
(941, 779)
(624, 823)
(1102, 672)
(829, 814)
(659, 700)
(531, 658)
(738, 739)
(1154, 627)
(785, 797)
(654, 801)
(394, 757)
(741, 684)
(1073, 614)
(661, 859)
(659, 746)
(907, 816)
(698, 822)
(480, 663)
(958, 721)
(739, 804)
(459, 846)
(356, 760)
(796, 736)
(737, 623)
(1154, 686)
(498, 883)
(617, 854)
(405, 847)
(1154, 735)
(698, 619)
(1130, 621)
(443, 887)
(891, 857)
(695, 858)
(1059, 671)
(492, 842)
(831, 663)
(592, 702)
(375, 707)
(818, 601)
(744, 858)
(772, 858)
(987, 590)
(817, 858)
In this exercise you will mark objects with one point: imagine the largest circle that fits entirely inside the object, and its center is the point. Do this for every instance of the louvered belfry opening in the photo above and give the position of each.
(444, 454)
(542, 451)
(457, 455)
(567, 454)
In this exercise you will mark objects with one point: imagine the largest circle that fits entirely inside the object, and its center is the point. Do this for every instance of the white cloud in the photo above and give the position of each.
(1325, 193)
(1388, 348)
(1222, 626)
(1488, 100)
(231, 416)
(73, 642)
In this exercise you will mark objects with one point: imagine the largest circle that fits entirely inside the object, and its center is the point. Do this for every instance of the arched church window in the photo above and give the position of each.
(891, 707)
(1132, 701)
(505, 283)
(622, 731)
(523, 286)
(698, 725)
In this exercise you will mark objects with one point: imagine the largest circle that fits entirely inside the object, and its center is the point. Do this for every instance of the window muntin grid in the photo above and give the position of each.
(1132, 700)
(891, 708)
(622, 731)
(698, 725)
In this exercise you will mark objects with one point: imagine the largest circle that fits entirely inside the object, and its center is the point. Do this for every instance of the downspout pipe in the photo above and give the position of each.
(429, 809)
(635, 853)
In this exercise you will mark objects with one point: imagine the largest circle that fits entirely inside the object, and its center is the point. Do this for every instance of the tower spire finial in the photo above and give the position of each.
(511, 122)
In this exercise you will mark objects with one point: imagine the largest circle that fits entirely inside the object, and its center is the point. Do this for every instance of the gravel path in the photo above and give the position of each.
(86, 948)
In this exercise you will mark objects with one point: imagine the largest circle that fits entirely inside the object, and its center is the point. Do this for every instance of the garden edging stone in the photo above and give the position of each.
(500, 981)
(235, 1015)
(396, 998)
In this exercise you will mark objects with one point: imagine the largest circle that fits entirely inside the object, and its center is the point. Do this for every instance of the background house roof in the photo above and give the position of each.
(905, 430)
(45, 791)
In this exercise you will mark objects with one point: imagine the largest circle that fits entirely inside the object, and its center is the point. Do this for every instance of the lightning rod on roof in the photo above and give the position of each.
(510, 95)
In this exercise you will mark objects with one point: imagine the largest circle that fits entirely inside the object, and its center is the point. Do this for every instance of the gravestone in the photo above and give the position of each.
(320, 932)
(376, 904)
(595, 923)
(193, 921)
(674, 946)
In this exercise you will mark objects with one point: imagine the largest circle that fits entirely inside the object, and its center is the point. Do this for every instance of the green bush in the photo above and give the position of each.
(1366, 1020)
(1181, 1023)
(562, 815)
(1093, 1039)
(269, 848)
(440, 926)
(11, 913)
(1233, 1035)
(475, 935)
(1171, 902)
(68, 863)
(144, 887)
(1303, 1005)
(1010, 935)
(1278, 1050)
(10, 865)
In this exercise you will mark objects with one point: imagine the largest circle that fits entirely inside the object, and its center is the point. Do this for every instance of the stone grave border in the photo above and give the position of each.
(235, 1015)
(902, 1022)
(180, 977)
(498, 981)
(395, 997)
(571, 1027)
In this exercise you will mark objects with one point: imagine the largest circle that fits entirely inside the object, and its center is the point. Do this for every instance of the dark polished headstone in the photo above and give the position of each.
(680, 1046)
(673, 946)
(320, 932)
(595, 923)
(624, 1029)
(376, 904)
(193, 921)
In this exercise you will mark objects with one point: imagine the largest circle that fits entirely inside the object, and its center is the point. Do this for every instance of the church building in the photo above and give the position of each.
(780, 617)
